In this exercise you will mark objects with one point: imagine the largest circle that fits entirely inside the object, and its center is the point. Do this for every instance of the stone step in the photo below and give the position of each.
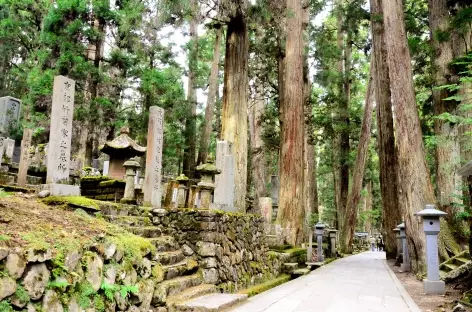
(164, 243)
(145, 231)
(173, 287)
(169, 257)
(211, 303)
(300, 272)
(141, 211)
(129, 220)
(290, 266)
(314, 265)
(178, 269)
(191, 293)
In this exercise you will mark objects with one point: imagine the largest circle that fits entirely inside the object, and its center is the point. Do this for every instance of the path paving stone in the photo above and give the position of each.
(359, 283)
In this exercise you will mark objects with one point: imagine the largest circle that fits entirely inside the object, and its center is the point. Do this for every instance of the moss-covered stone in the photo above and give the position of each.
(257, 289)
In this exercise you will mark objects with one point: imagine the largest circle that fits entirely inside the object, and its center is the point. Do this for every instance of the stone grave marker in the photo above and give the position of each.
(59, 150)
(224, 182)
(9, 114)
(9, 149)
(24, 160)
(152, 186)
(106, 167)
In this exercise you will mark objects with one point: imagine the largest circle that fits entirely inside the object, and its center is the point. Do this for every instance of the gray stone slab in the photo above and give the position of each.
(61, 189)
(2, 148)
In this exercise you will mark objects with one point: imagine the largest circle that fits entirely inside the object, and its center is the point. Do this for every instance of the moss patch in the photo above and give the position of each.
(295, 252)
(11, 188)
(257, 289)
(74, 201)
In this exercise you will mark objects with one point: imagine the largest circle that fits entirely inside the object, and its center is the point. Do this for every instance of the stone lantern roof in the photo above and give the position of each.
(123, 145)
(209, 167)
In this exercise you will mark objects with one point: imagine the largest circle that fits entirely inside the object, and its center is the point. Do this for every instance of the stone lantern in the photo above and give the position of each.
(319, 231)
(130, 170)
(432, 226)
(182, 190)
(398, 240)
(207, 184)
(405, 266)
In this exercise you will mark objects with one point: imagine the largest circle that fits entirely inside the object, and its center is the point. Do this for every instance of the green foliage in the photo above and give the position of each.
(5, 306)
(109, 290)
(4, 238)
(60, 285)
(3, 194)
(21, 294)
(84, 293)
(125, 290)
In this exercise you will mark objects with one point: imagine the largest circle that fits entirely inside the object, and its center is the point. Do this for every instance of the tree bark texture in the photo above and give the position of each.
(354, 197)
(191, 121)
(310, 185)
(448, 183)
(368, 207)
(258, 160)
(415, 186)
(235, 97)
(211, 99)
(291, 204)
(391, 212)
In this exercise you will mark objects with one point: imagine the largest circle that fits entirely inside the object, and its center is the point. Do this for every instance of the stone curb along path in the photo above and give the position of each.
(359, 283)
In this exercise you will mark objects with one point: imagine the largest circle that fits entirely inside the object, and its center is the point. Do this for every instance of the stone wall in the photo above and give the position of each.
(108, 276)
(102, 188)
(231, 248)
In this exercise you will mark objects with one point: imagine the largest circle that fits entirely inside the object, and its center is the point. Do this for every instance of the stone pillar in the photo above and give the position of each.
(309, 250)
(152, 186)
(332, 242)
(24, 160)
(106, 168)
(224, 182)
(182, 191)
(431, 225)
(319, 228)
(171, 195)
(59, 150)
(399, 241)
(192, 197)
(265, 207)
(130, 166)
(405, 266)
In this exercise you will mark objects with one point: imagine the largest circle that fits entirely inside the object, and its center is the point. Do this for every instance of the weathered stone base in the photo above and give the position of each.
(434, 287)
(405, 267)
(62, 189)
(223, 207)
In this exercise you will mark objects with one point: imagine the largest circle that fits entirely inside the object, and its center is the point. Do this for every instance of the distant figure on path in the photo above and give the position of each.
(372, 242)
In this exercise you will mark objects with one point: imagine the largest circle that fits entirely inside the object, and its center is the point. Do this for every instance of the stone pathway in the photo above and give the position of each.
(358, 283)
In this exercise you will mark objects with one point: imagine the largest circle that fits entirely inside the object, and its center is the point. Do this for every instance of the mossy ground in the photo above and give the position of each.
(257, 289)
(29, 223)
(78, 201)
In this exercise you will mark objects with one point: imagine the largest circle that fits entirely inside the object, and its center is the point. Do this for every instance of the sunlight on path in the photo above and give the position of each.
(358, 283)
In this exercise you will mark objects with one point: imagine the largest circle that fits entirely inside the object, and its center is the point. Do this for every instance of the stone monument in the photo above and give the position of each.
(2, 149)
(9, 114)
(431, 225)
(60, 136)
(106, 167)
(152, 186)
(24, 160)
(130, 166)
(206, 185)
(224, 182)
(8, 150)
(319, 230)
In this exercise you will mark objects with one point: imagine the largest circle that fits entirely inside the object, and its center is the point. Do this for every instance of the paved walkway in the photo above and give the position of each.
(358, 283)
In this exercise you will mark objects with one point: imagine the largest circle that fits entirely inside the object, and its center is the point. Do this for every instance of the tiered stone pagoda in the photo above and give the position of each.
(120, 150)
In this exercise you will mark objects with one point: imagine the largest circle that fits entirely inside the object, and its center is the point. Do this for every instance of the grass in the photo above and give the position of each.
(257, 289)
(75, 201)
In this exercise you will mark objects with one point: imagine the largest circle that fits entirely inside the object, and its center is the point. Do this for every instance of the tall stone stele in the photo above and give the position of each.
(9, 114)
(152, 186)
(182, 191)
(319, 231)
(431, 225)
(62, 113)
